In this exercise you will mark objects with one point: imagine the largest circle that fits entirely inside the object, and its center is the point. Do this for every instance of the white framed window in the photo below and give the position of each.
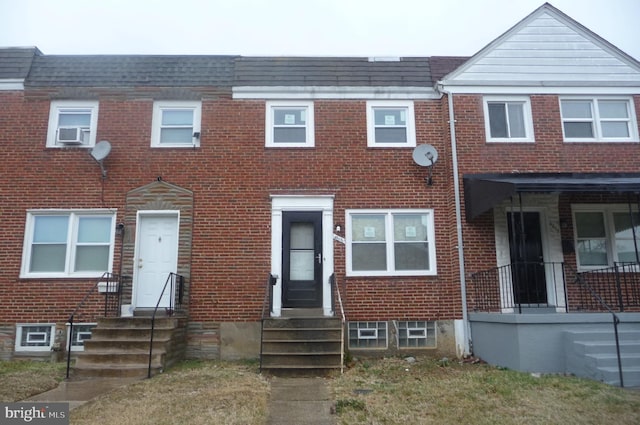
(598, 119)
(604, 235)
(35, 337)
(289, 124)
(416, 334)
(368, 335)
(72, 124)
(390, 124)
(508, 119)
(81, 332)
(176, 124)
(390, 243)
(60, 243)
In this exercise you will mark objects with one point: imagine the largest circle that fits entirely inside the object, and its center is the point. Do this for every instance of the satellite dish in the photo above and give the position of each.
(101, 150)
(425, 155)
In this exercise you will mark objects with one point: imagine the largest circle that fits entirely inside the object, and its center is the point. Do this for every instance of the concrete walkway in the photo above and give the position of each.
(300, 401)
(76, 393)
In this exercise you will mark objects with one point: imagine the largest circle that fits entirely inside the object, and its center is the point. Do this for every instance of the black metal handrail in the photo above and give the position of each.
(266, 302)
(112, 290)
(334, 284)
(172, 281)
(618, 286)
(501, 288)
(616, 320)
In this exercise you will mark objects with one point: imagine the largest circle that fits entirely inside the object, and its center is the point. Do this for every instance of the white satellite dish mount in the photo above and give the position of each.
(99, 153)
(426, 156)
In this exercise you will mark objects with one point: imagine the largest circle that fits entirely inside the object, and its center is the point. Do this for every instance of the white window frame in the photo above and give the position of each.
(60, 106)
(596, 120)
(71, 243)
(272, 106)
(20, 327)
(156, 123)
(428, 334)
(610, 235)
(375, 340)
(372, 105)
(527, 115)
(389, 242)
(75, 326)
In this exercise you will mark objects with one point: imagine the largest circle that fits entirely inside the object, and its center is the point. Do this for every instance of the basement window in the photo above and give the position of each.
(35, 337)
(416, 334)
(81, 332)
(368, 335)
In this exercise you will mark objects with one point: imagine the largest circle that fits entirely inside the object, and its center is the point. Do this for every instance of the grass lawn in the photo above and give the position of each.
(387, 391)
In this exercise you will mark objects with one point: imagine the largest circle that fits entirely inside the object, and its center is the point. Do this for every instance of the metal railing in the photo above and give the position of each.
(580, 280)
(617, 286)
(335, 287)
(110, 286)
(173, 281)
(267, 303)
(519, 285)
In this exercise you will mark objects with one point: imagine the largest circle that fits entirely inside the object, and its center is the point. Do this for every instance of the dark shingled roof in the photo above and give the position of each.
(331, 71)
(131, 71)
(443, 65)
(15, 62)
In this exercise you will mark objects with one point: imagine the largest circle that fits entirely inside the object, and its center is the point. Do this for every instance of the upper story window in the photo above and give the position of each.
(289, 124)
(605, 234)
(176, 124)
(390, 124)
(68, 243)
(72, 123)
(390, 243)
(508, 119)
(598, 120)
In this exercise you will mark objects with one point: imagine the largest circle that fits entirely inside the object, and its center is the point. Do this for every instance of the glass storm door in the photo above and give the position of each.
(302, 259)
(527, 261)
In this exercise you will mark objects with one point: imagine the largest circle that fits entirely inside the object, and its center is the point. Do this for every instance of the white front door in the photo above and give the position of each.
(156, 257)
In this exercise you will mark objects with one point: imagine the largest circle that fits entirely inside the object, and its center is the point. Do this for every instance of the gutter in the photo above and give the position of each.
(466, 333)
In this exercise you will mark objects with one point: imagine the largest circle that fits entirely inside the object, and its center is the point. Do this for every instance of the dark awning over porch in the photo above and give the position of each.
(484, 191)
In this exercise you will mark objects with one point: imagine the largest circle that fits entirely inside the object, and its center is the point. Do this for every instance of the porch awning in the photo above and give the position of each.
(484, 191)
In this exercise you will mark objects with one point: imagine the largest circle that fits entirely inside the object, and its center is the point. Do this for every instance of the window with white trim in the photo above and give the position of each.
(68, 243)
(390, 243)
(605, 235)
(508, 119)
(35, 337)
(81, 332)
(289, 124)
(72, 124)
(416, 334)
(606, 119)
(367, 335)
(176, 124)
(390, 124)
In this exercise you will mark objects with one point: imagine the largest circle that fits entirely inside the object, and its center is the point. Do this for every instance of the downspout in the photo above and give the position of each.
(456, 191)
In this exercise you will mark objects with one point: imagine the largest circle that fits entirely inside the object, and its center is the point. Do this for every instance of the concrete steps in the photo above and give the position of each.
(119, 347)
(301, 345)
(592, 354)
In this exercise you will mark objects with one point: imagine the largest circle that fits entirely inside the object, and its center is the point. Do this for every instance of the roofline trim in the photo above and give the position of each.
(334, 92)
(11, 84)
(529, 88)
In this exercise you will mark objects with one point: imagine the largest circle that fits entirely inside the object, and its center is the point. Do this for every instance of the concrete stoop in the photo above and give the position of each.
(592, 354)
(301, 346)
(119, 347)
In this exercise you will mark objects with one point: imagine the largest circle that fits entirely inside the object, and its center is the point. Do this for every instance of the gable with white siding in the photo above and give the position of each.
(548, 48)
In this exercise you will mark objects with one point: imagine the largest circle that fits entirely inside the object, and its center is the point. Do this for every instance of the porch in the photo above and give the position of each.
(549, 318)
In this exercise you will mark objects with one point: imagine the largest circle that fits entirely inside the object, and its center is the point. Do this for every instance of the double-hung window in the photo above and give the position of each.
(72, 123)
(68, 243)
(390, 243)
(289, 124)
(390, 124)
(605, 235)
(176, 124)
(606, 119)
(508, 119)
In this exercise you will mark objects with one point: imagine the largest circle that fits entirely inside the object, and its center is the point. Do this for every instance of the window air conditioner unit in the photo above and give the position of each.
(72, 135)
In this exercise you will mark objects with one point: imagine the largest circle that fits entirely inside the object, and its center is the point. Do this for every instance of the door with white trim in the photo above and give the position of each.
(156, 257)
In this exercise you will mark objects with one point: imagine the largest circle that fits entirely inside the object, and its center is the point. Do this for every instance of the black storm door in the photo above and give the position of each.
(302, 259)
